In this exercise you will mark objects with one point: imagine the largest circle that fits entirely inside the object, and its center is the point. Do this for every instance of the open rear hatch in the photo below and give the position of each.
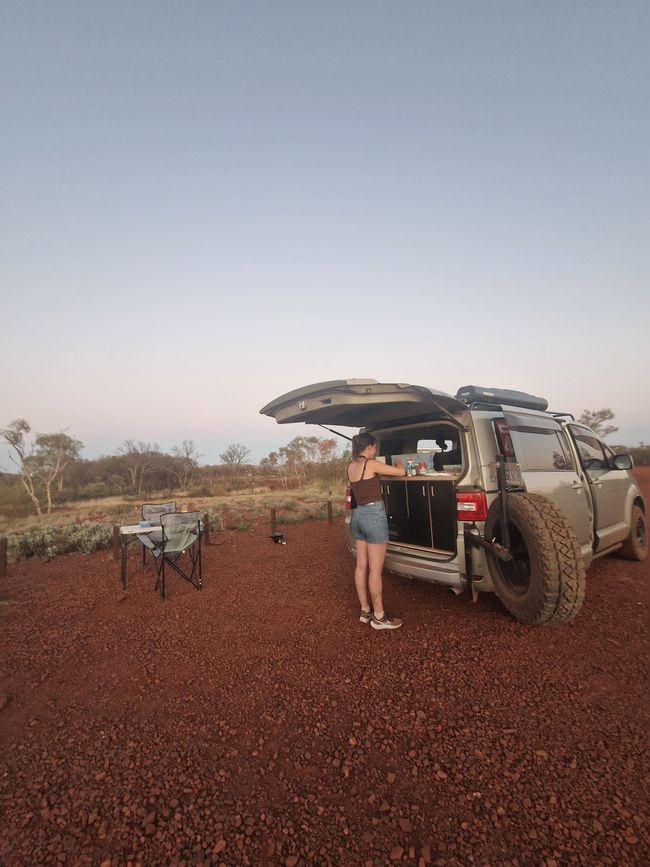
(361, 403)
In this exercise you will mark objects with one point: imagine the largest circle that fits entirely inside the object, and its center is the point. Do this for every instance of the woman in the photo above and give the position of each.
(370, 528)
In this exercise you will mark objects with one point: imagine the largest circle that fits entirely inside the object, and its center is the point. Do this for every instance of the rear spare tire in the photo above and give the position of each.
(545, 580)
(635, 547)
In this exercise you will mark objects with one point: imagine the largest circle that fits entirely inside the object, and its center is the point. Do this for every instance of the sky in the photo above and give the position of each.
(206, 204)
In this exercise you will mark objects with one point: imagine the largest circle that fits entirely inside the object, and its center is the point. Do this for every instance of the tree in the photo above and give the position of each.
(326, 450)
(14, 436)
(293, 455)
(45, 461)
(597, 421)
(270, 462)
(140, 459)
(235, 454)
(52, 454)
(186, 459)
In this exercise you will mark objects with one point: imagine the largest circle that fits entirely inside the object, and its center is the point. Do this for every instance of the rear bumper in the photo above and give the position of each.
(425, 569)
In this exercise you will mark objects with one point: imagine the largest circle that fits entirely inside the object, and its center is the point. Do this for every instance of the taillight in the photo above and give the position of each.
(348, 497)
(471, 506)
(504, 439)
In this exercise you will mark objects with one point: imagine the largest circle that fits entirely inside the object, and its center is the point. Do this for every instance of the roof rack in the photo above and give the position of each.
(564, 415)
(474, 395)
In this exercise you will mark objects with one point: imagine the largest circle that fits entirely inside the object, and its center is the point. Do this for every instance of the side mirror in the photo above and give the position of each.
(622, 462)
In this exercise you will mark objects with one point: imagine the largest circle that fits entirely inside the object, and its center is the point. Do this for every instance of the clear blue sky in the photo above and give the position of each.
(206, 204)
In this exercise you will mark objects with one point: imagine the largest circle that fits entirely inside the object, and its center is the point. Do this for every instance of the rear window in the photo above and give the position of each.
(437, 447)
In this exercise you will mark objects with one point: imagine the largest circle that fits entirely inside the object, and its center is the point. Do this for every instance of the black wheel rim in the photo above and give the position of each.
(515, 573)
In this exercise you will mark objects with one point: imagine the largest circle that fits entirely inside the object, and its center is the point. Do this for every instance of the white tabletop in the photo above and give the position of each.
(137, 530)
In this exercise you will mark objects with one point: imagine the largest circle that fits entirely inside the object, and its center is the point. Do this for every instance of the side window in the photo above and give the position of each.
(545, 451)
(593, 453)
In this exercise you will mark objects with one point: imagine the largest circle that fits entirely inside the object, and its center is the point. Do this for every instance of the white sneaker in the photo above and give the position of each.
(386, 622)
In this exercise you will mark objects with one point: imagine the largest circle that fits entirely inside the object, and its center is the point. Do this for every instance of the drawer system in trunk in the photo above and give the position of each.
(421, 512)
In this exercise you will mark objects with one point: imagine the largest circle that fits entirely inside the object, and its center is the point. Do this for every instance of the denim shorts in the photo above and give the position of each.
(369, 523)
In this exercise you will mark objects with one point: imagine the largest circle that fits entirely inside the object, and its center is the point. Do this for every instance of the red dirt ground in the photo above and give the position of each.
(258, 722)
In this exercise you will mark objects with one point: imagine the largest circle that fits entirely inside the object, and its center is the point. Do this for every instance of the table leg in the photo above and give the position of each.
(123, 564)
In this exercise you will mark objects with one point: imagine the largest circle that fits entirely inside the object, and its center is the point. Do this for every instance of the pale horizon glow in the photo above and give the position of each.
(206, 206)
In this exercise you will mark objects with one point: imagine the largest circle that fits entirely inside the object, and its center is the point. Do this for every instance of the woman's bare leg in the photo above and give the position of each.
(376, 556)
(360, 573)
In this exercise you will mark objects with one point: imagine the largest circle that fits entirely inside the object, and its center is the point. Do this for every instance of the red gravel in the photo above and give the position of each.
(259, 723)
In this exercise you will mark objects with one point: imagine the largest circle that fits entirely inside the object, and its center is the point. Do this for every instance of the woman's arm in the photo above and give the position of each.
(382, 469)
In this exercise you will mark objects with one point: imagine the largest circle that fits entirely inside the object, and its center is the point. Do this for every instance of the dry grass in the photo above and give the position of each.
(235, 509)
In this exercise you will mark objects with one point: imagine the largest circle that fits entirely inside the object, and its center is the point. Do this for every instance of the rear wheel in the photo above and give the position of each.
(545, 580)
(635, 546)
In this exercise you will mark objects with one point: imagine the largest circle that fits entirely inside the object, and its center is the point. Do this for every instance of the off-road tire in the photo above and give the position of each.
(635, 546)
(545, 583)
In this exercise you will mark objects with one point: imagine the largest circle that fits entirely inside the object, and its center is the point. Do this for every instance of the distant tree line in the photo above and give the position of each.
(50, 471)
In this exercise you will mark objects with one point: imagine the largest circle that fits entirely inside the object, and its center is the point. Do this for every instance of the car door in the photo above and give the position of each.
(609, 486)
(548, 468)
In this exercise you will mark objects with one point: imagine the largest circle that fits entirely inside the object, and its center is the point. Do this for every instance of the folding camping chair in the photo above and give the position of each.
(180, 543)
(151, 512)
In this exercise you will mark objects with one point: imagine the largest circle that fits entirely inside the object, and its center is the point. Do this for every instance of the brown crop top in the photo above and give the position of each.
(365, 490)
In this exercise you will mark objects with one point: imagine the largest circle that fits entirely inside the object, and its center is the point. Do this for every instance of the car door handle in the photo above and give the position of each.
(596, 483)
(577, 486)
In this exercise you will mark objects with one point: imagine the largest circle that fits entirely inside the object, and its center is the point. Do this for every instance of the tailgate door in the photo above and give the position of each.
(359, 403)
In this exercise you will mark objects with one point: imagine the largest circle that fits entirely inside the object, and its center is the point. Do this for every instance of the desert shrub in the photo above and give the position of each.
(309, 515)
(290, 519)
(93, 491)
(48, 541)
(120, 510)
(216, 521)
(201, 490)
(243, 525)
(36, 542)
(14, 502)
(88, 537)
(322, 511)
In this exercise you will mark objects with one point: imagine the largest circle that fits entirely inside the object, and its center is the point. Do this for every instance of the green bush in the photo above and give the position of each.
(48, 541)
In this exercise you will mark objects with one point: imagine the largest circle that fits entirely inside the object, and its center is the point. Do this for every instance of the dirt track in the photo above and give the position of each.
(259, 723)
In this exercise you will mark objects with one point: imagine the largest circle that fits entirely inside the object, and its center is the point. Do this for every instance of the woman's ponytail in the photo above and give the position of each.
(360, 443)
